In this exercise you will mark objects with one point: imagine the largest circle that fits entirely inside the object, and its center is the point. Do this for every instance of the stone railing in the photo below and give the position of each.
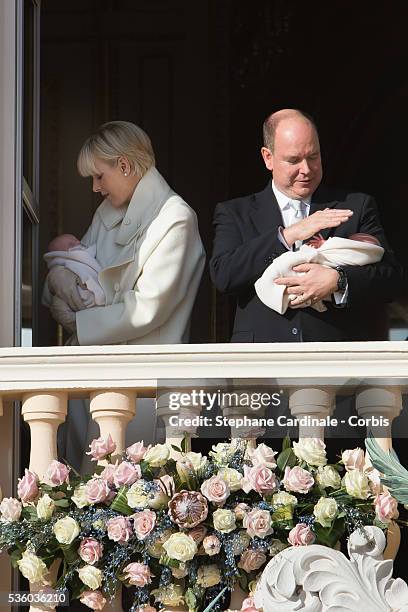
(44, 379)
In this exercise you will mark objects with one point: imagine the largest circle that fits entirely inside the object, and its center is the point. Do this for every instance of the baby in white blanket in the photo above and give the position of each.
(357, 250)
(66, 250)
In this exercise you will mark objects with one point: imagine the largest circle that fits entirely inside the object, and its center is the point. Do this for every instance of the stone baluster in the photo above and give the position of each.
(315, 403)
(381, 403)
(44, 412)
(113, 410)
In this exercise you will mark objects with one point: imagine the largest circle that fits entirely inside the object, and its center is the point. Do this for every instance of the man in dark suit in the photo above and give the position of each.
(253, 230)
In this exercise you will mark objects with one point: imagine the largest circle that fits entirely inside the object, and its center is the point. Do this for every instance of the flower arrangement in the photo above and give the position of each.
(184, 529)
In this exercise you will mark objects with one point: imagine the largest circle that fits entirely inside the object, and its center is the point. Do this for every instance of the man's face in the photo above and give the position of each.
(295, 163)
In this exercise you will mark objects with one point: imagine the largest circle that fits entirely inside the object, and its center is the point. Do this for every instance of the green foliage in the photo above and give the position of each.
(329, 536)
(286, 458)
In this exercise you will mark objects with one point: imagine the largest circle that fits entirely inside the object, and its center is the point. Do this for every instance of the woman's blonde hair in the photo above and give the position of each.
(113, 140)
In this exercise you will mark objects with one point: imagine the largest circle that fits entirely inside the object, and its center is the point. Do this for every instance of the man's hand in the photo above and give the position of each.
(314, 284)
(63, 314)
(313, 224)
(64, 284)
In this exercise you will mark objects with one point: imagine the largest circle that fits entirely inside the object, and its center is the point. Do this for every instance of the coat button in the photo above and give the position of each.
(126, 221)
(117, 286)
(294, 331)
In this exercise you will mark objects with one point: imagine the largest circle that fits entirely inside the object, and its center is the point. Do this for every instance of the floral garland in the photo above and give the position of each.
(184, 530)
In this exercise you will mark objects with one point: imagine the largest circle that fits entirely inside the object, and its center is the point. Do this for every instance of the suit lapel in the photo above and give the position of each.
(265, 212)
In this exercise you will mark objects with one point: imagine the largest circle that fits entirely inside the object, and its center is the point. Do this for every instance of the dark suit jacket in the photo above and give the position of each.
(246, 242)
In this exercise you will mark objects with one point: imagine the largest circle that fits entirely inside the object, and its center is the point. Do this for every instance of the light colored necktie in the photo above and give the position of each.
(299, 210)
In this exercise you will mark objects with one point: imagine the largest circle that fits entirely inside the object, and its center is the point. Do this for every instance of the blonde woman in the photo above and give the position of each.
(147, 244)
(151, 258)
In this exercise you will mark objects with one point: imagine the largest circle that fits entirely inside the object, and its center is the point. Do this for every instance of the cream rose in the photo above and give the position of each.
(311, 450)
(32, 568)
(325, 511)
(357, 484)
(224, 521)
(222, 453)
(181, 547)
(45, 507)
(90, 576)
(197, 461)
(66, 530)
(284, 499)
(208, 575)
(158, 455)
(328, 476)
(80, 497)
(232, 478)
(137, 496)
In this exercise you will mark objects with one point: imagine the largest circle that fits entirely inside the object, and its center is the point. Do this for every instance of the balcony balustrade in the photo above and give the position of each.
(43, 380)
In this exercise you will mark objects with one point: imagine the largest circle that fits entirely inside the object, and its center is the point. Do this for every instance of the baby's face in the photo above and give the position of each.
(64, 242)
(365, 238)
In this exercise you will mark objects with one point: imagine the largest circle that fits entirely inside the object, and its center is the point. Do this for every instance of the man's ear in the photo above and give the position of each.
(267, 157)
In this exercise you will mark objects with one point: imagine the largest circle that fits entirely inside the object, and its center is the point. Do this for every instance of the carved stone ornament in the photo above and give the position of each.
(319, 579)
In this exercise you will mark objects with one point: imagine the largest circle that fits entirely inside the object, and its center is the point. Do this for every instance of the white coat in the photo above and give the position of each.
(152, 259)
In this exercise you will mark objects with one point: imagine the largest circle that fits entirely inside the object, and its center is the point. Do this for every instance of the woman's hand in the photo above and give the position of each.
(63, 314)
(64, 284)
(313, 224)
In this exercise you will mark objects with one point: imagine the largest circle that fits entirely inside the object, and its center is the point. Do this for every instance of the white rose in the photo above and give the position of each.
(197, 460)
(262, 455)
(284, 499)
(91, 576)
(79, 497)
(311, 450)
(66, 530)
(45, 507)
(357, 484)
(224, 521)
(10, 509)
(208, 575)
(158, 455)
(137, 496)
(32, 567)
(325, 511)
(328, 476)
(180, 546)
(222, 452)
(232, 477)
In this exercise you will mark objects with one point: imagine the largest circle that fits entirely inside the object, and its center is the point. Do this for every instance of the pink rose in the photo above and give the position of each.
(144, 523)
(353, 459)
(126, 474)
(56, 474)
(137, 451)
(252, 560)
(119, 529)
(27, 488)
(137, 574)
(10, 509)
(198, 533)
(298, 480)
(93, 599)
(97, 490)
(108, 473)
(260, 479)
(241, 510)
(374, 477)
(248, 605)
(90, 550)
(212, 545)
(101, 447)
(301, 535)
(262, 455)
(215, 490)
(386, 507)
(258, 523)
